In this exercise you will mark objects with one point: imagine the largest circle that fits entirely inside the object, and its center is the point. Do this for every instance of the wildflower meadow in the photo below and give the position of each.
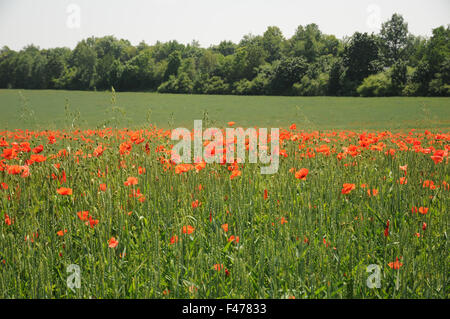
(108, 213)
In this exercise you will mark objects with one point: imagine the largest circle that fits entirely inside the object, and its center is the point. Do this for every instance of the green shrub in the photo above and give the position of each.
(375, 85)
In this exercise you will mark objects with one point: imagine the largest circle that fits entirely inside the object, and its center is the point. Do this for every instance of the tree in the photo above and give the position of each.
(438, 48)
(209, 61)
(306, 42)
(84, 59)
(336, 78)
(422, 77)
(394, 36)
(361, 57)
(398, 77)
(272, 42)
(287, 72)
(173, 63)
(225, 48)
(7, 65)
(57, 60)
(309, 63)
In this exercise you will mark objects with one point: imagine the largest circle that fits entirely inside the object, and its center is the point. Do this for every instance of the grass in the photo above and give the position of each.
(305, 240)
(253, 235)
(46, 109)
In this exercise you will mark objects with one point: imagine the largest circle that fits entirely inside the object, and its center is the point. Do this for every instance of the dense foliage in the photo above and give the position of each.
(393, 62)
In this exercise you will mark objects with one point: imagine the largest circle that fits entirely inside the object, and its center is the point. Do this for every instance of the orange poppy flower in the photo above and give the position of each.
(395, 264)
(174, 239)
(188, 229)
(37, 158)
(112, 243)
(428, 184)
(302, 173)
(14, 169)
(218, 267)
(347, 188)
(64, 191)
(423, 210)
(8, 220)
(225, 227)
(102, 187)
(91, 222)
(61, 232)
(235, 173)
(98, 151)
(131, 181)
(83, 215)
(38, 149)
(234, 238)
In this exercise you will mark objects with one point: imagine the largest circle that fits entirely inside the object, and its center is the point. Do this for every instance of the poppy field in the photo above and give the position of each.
(138, 225)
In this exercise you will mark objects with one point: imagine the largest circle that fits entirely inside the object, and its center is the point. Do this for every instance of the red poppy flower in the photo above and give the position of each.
(347, 188)
(225, 227)
(8, 220)
(395, 264)
(83, 215)
(235, 173)
(64, 191)
(386, 230)
(112, 243)
(188, 229)
(174, 239)
(234, 238)
(91, 222)
(131, 181)
(61, 232)
(38, 149)
(218, 267)
(302, 173)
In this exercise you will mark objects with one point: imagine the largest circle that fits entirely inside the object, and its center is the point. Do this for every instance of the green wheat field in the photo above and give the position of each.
(86, 179)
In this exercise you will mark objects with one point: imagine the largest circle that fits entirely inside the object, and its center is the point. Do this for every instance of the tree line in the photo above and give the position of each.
(310, 63)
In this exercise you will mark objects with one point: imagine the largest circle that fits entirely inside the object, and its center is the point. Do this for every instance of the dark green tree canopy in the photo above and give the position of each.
(393, 62)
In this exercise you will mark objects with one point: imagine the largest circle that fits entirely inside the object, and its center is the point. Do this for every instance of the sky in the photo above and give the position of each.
(57, 23)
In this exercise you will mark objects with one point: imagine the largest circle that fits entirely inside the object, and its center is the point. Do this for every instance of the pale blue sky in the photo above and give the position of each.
(44, 22)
